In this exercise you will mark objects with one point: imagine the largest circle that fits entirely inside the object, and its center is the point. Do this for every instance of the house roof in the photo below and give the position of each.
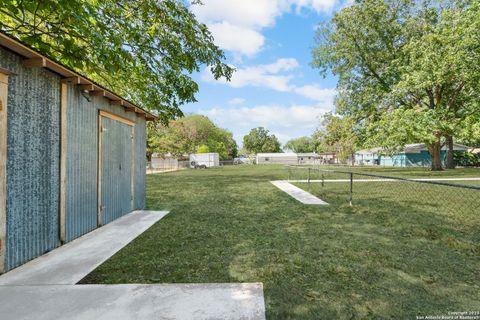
(308, 154)
(412, 147)
(278, 154)
(369, 151)
(34, 58)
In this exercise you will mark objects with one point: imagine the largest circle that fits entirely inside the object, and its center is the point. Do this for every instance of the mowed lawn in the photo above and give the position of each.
(378, 259)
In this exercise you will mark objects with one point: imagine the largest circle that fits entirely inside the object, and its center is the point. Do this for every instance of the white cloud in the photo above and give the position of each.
(247, 13)
(268, 116)
(241, 21)
(237, 39)
(236, 101)
(285, 122)
(268, 75)
(274, 76)
(316, 93)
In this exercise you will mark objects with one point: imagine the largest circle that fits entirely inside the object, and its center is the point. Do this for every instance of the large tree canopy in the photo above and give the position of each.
(144, 50)
(260, 140)
(337, 134)
(190, 134)
(300, 145)
(408, 70)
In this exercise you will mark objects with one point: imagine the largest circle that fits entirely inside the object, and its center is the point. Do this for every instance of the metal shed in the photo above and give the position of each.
(72, 154)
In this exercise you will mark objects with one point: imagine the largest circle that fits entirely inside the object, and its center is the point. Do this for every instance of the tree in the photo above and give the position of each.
(338, 136)
(203, 149)
(259, 140)
(190, 134)
(395, 56)
(300, 145)
(144, 50)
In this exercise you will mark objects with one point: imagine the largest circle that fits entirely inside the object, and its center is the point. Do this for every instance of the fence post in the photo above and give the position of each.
(323, 180)
(289, 171)
(351, 188)
(308, 175)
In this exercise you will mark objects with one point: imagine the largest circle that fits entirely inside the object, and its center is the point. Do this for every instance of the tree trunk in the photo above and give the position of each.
(149, 159)
(449, 163)
(435, 152)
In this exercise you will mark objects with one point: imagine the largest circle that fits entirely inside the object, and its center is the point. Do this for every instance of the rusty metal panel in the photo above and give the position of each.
(116, 169)
(33, 153)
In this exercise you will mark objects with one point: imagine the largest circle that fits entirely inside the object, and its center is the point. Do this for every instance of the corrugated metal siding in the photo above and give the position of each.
(140, 164)
(33, 167)
(82, 157)
(82, 146)
(33, 156)
(116, 187)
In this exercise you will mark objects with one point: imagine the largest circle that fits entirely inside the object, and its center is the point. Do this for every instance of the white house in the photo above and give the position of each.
(287, 158)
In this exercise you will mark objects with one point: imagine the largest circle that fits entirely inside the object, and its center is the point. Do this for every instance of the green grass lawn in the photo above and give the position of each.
(382, 258)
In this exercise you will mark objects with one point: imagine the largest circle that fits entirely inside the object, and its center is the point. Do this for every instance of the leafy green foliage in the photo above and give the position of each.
(395, 56)
(189, 135)
(203, 149)
(260, 140)
(338, 136)
(144, 50)
(300, 145)
(467, 159)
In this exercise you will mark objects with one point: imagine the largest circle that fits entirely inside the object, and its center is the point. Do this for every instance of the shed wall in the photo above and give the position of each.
(33, 160)
(82, 159)
(82, 148)
(33, 156)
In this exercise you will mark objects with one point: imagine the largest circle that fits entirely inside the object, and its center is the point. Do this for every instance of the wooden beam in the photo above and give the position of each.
(73, 80)
(35, 63)
(34, 59)
(99, 93)
(87, 87)
(99, 173)
(3, 168)
(63, 158)
(113, 116)
(132, 190)
(116, 102)
(128, 109)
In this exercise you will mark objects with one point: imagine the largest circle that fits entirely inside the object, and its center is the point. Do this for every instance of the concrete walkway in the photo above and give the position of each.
(297, 193)
(133, 301)
(44, 288)
(71, 262)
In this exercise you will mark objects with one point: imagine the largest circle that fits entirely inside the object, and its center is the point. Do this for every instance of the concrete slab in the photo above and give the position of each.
(165, 301)
(297, 193)
(71, 262)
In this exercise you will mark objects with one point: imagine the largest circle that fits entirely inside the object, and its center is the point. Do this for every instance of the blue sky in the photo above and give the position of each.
(269, 42)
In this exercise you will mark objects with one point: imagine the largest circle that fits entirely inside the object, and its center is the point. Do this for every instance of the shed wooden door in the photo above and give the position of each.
(115, 167)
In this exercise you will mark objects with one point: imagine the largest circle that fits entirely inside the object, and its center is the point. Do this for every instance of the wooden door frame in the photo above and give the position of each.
(106, 114)
(4, 74)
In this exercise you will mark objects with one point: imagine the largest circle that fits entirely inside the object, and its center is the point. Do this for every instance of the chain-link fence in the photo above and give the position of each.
(451, 196)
